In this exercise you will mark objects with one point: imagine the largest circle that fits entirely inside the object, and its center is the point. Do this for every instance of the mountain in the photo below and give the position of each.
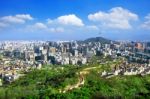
(98, 39)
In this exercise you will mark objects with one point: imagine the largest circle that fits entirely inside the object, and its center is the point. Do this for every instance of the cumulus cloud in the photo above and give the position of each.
(66, 23)
(50, 21)
(8, 21)
(2, 25)
(56, 30)
(24, 16)
(92, 27)
(70, 19)
(117, 18)
(19, 18)
(146, 24)
(38, 27)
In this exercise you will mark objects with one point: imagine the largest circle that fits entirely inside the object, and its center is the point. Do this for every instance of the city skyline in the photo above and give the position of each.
(74, 19)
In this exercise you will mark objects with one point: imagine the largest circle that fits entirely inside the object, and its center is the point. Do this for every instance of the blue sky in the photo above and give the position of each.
(74, 19)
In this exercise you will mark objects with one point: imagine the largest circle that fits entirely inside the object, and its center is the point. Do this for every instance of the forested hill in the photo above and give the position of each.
(96, 39)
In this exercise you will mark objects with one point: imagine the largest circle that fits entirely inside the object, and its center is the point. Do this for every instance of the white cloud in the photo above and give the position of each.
(24, 16)
(41, 27)
(2, 25)
(69, 20)
(56, 30)
(146, 24)
(49, 21)
(117, 18)
(59, 29)
(70, 24)
(148, 17)
(19, 18)
(92, 27)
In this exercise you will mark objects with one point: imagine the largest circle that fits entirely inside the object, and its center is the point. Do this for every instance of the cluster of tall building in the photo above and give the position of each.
(73, 52)
(18, 56)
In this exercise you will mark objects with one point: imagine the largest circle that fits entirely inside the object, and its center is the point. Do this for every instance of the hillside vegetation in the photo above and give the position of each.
(47, 83)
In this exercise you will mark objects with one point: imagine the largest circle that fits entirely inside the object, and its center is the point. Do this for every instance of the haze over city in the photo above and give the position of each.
(74, 19)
